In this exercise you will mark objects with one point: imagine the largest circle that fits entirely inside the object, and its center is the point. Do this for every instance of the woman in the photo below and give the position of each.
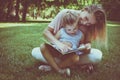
(92, 23)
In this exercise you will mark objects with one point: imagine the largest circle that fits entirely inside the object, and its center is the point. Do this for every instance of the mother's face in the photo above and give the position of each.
(86, 18)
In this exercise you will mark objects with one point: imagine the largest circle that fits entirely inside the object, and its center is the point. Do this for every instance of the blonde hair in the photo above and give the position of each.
(69, 18)
(98, 31)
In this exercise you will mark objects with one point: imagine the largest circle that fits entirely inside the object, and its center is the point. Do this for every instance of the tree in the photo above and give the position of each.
(3, 9)
(25, 4)
(17, 10)
(112, 9)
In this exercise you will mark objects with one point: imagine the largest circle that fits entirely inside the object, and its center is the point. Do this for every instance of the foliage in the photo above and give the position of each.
(15, 10)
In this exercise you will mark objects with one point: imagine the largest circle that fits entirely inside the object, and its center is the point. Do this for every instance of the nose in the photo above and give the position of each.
(73, 32)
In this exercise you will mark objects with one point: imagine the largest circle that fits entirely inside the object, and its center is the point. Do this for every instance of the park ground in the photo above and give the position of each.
(16, 63)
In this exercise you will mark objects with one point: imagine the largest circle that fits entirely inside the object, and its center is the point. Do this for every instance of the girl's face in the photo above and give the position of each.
(86, 18)
(71, 29)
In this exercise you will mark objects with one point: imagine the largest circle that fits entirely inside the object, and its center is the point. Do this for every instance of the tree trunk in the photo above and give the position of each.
(25, 6)
(17, 10)
(83, 2)
(9, 10)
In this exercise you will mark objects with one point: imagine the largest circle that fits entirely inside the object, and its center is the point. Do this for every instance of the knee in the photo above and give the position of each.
(99, 56)
(43, 47)
(96, 55)
(35, 52)
(75, 58)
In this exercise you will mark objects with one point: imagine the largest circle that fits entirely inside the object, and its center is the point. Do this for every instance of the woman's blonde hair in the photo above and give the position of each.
(69, 18)
(98, 31)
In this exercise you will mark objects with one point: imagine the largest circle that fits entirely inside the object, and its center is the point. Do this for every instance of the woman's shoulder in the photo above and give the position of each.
(64, 11)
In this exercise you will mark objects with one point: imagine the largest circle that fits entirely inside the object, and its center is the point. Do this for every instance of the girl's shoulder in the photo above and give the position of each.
(80, 33)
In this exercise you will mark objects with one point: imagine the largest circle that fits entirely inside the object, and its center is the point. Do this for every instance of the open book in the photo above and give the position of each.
(82, 47)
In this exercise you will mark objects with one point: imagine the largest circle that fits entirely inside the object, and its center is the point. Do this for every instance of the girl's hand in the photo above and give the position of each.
(62, 47)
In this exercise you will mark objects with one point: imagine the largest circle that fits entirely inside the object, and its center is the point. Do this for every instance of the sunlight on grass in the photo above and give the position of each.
(6, 25)
(113, 24)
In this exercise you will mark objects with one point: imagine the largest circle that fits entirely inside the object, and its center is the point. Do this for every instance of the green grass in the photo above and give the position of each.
(16, 63)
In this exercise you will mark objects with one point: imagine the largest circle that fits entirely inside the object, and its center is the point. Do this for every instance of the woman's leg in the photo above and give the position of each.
(66, 60)
(94, 57)
(49, 54)
(36, 53)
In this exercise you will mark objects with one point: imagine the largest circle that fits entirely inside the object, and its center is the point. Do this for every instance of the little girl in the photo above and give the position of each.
(70, 34)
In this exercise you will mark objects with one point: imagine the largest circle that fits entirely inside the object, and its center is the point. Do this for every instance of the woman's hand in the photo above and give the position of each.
(88, 46)
(85, 47)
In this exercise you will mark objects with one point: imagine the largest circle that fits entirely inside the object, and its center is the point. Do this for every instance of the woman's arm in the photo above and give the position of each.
(48, 34)
(83, 42)
(87, 44)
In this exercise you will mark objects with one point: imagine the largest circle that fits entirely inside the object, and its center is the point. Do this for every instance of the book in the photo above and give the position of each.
(82, 47)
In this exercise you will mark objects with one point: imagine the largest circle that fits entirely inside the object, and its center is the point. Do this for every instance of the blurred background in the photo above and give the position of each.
(22, 23)
(45, 10)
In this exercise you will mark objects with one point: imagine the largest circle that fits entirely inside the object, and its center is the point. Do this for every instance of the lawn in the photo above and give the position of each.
(16, 63)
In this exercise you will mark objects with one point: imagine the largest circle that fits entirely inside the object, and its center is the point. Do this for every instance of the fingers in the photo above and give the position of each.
(82, 47)
(65, 49)
(88, 46)
(69, 48)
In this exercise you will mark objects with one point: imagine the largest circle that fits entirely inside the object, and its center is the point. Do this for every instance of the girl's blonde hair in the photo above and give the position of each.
(98, 31)
(69, 18)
